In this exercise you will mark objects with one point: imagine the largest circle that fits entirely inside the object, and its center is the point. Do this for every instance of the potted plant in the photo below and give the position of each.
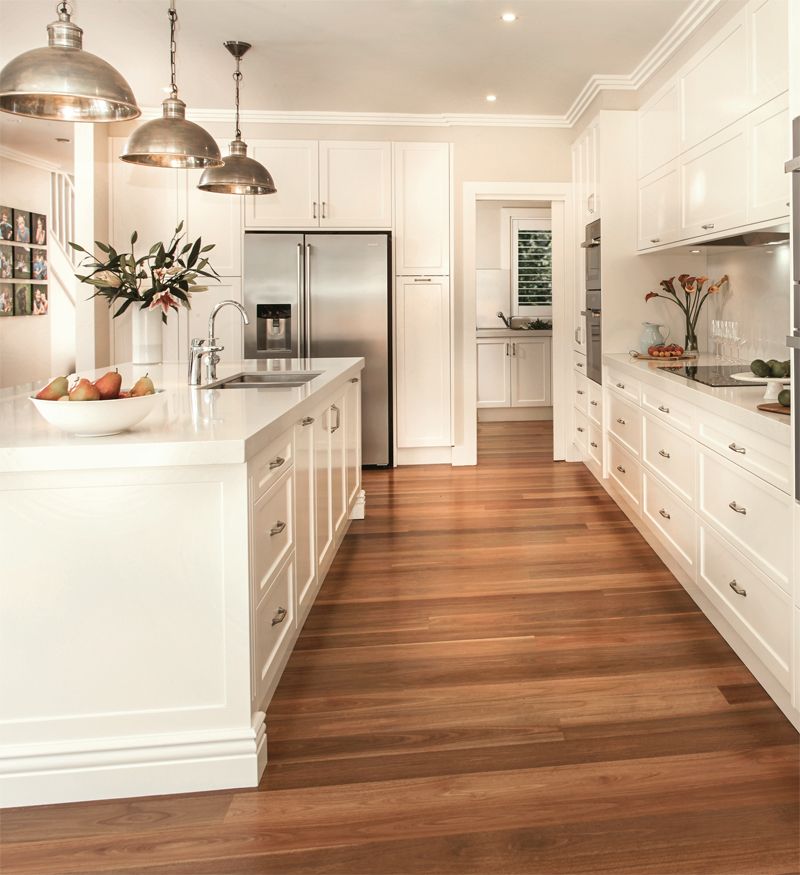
(690, 304)
(163, 279)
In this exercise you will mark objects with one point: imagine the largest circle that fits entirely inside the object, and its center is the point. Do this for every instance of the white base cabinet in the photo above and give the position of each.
(514, 373)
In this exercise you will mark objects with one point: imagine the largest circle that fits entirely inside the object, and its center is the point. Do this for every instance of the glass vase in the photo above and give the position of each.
(690, 342)
(146, 336)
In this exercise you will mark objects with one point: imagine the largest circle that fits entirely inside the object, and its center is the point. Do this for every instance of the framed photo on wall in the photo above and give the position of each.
(22, 300)
(22, 226)
(22, 263)
(6, 262)
(38, 229)
(39, 302)
(6, 299)
(6, 223)
(39, 264)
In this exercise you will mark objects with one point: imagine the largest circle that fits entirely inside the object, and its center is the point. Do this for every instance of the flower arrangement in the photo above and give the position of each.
(693, 300)
(166, 277)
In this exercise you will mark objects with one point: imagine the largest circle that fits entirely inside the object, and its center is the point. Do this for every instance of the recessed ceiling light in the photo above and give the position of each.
(491, 98)
(508, 17)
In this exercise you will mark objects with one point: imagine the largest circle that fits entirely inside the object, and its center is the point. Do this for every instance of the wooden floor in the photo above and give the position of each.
(499, 676)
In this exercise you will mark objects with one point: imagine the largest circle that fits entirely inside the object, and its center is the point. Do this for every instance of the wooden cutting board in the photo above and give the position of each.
(661, 358)
(772, 407)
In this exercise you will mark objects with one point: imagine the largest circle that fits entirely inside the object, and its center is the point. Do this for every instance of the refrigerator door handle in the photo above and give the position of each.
(301, 304)
(307, 303)
(793, 341)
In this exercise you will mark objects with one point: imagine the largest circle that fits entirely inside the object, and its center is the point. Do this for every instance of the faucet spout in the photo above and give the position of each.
(217, 308)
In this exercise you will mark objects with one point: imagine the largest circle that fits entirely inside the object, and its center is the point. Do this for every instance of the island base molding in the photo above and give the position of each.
(184, 762)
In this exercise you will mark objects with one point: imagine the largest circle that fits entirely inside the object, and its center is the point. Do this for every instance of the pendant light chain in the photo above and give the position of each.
(237, 78)
(173, 49)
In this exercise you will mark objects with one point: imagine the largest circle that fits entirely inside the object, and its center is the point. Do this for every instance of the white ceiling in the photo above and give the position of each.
(390, 56)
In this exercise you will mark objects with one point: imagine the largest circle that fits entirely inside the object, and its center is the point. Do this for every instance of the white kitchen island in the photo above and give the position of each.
(153, 583)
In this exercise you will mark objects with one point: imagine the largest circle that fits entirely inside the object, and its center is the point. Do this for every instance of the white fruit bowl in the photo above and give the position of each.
(98, 418)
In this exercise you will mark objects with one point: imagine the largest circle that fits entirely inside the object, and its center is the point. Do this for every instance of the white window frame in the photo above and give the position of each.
(526, 310)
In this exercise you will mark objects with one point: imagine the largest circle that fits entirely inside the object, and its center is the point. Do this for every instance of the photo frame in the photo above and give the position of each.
(39, 301)
(6, 262)
(6, 299)
(22, 262)
(6, 223)
(22, 226)
(22, 300)
(39, 229)
(38, 265)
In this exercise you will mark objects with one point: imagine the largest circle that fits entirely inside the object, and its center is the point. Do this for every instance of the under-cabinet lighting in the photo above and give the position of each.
(491, 98)
(508, 17)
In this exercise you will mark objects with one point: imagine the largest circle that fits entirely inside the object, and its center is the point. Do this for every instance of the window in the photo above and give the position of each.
(532, 265)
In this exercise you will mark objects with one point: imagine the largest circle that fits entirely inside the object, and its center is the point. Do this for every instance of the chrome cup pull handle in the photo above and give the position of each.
(663, 409)
(276, 463)
(620, 421)
(307, 420)
(280, 616)
(737, 508)
(739, 590)
(664, 454)
(620, 469)
(732, 446)
(620, 385)
(279, 526)
(665, 514)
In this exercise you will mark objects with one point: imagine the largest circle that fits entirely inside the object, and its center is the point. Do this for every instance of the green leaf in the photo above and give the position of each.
(208, 248)
(77, 247)
(103, 247)
(134, 237)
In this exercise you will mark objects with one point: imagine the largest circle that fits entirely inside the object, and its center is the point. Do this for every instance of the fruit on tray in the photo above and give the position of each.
(773, 369)
(84, 390)
(760, 368)
(785, 398)
(143, 386)
(109, 385)
(55, 389)
(665, 351)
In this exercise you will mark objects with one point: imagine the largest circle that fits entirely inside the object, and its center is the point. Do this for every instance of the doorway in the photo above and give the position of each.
(528, 223)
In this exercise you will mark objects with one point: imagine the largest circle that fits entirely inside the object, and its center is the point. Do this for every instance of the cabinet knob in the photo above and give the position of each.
(739, 590)
(593, 444)
(579, 391)
(593, 403)
(280, 616)
(353, 379)
(276, 463)
(580, 429)
(579, 364)
(277, 528)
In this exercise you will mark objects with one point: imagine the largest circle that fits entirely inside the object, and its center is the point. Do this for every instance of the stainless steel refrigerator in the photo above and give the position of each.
(325, 295)
(793, 341)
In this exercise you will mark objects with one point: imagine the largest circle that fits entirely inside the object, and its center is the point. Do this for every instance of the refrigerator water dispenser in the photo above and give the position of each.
(274, 328)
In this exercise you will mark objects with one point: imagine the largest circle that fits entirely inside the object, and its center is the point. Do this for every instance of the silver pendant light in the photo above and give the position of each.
(239, 174)
(64, 83)
(172, 141)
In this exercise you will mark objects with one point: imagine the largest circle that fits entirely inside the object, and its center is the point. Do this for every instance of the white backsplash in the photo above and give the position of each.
(757, 297)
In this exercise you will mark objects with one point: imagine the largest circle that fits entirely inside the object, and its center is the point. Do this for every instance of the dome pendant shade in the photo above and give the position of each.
(238, 174)
(172, 141)
(62, 82)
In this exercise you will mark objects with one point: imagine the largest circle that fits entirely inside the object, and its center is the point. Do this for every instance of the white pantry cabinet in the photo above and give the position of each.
(422, 209)
(422, 319)
(514, 373)
(327, 184)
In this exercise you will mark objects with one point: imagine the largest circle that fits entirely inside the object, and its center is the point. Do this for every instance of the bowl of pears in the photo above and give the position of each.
(96, 408)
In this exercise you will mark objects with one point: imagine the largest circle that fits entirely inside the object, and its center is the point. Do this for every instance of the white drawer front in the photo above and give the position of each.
(273, 532)
(579, 362)
(274, 620)
(625, 423)
(625, 386)
(671, 455)
(672, 518)
(581, 431)
(581, 393)
(626, 472)
(595, 402)
(269, 465)
(755, 516)
(667, 409)
(763, 456)
(758, 609)
(595, 447)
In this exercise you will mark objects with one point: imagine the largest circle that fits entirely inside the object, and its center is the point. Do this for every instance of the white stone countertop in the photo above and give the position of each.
(736, 404)
(192, 426)
(518, 333)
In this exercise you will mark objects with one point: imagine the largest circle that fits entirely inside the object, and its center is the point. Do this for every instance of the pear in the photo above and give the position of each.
(83, 390)
(109, 385)
(124, 395)
(64, 398)
(143, 386)
(54, 390)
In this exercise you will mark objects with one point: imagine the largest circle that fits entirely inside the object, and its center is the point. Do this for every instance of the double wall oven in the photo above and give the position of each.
(592, 311)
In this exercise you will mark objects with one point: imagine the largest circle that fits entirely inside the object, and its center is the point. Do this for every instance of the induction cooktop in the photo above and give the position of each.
(711, 375)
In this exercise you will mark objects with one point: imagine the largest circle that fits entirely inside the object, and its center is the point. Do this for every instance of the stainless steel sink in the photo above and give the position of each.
(255, 380)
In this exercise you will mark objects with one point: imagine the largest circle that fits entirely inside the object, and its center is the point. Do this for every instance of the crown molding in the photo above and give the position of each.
(30, 160)
(394, 119)
(698, 12)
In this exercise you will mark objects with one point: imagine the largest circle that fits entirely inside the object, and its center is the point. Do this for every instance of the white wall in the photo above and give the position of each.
(24, 340)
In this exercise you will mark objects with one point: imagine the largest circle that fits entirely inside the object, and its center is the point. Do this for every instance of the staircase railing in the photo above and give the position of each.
(62, 213)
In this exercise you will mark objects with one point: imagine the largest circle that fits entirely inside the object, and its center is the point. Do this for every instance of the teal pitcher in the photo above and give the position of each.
(651, 336)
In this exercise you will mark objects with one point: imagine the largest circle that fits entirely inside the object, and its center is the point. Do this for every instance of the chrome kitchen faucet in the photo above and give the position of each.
(207, 349)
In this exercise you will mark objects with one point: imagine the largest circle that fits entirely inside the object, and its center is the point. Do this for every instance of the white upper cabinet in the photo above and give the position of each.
(659, 134)
(712, 194)
(714, 87)
(660, 207)
(769, 48)
(423, 361)
(768, 132)
(294, 168)
(355, 184)
(422, 208)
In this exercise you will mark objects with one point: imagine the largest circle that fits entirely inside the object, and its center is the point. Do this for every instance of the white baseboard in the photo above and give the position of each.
(514, 414)
(135, 766)
(424, 456)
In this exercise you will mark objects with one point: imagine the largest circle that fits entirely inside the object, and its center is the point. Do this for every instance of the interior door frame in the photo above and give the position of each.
(559, 195)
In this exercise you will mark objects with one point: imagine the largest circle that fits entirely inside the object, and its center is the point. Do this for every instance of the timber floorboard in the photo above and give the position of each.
(498, 676)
